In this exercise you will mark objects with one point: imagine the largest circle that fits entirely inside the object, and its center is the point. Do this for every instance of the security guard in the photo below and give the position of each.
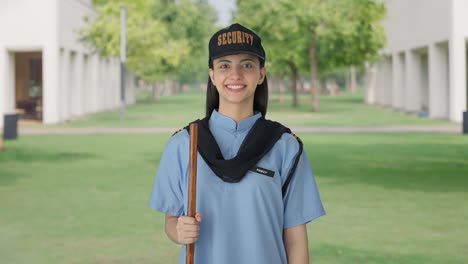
(255, 187)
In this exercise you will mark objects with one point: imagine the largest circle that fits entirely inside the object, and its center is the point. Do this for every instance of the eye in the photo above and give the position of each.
(248, 65)
(223, 66)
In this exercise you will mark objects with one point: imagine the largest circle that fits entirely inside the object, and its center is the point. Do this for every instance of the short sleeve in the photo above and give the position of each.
(167, 195)
(302, 202)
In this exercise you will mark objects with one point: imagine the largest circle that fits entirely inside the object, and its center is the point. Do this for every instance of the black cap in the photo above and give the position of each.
(235, 39)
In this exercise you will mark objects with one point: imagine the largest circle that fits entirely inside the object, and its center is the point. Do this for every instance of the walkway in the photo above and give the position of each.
(125, 130)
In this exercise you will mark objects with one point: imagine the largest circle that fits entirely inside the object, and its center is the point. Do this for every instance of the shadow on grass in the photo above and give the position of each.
(422, 167)
(9, 176)
(14, 157)
(31, 155)
(328, 253)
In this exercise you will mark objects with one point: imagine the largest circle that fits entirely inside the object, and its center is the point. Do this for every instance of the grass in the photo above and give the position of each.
(178, 110)
(390, 198)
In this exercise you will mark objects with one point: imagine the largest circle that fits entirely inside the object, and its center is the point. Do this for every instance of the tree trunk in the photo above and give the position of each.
(293, 83)
(348, 81)
(353, 79)
(155, 92)
(281, 90)
(168, 87)
(314, 87)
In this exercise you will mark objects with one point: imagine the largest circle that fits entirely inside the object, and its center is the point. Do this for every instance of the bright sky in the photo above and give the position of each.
(224, 9)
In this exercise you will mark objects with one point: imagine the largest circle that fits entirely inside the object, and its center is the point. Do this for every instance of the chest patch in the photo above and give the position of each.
(262, 171)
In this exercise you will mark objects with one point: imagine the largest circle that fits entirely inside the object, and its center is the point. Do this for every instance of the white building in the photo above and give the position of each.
(424, 65)
(45, 72)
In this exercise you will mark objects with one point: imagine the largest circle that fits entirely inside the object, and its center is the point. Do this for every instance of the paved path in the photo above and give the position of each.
(143, 130)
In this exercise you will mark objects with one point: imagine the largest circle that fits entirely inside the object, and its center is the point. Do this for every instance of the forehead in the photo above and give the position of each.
(237, 57)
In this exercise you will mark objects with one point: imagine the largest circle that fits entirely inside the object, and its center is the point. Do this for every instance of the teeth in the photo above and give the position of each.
(235, 87)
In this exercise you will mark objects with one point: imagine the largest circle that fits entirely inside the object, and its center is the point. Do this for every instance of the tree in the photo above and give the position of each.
(165, 38)
(328, 34)
(192, 21)
(149, 45)
(275, 23)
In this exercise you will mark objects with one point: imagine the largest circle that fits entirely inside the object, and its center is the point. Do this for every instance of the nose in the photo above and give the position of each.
(235, 73)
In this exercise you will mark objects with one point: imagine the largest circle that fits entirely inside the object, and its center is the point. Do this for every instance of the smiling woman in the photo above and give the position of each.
(236, 78)
(255, 187)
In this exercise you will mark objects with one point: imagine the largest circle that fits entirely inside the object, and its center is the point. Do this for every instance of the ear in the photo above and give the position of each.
(262, 76)
(211, 73)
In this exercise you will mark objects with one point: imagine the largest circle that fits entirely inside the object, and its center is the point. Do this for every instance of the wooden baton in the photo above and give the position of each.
(192, 186)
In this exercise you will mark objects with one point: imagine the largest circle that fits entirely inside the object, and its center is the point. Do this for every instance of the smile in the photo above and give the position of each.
(235, 86)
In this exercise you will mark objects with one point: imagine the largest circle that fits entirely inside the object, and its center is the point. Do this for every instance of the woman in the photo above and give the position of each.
(255, 188)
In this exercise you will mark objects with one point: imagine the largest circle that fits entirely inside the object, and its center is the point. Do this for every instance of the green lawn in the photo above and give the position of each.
(178, 110)
(390, 198)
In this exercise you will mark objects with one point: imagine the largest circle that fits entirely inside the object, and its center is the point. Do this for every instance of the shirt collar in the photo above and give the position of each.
(221, 121)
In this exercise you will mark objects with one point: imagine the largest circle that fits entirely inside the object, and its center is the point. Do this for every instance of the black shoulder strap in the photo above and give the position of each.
(293, 168)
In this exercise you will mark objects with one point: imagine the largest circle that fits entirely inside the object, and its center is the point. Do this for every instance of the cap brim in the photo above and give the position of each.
(233, 52)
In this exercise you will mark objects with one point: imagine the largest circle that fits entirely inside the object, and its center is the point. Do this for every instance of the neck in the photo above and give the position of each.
(236, 113)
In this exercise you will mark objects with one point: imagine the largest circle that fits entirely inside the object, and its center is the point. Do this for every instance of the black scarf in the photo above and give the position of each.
(258, 142)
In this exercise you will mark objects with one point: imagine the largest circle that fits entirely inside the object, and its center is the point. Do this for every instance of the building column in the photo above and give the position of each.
(51, 84)
(78, 84)
(116, 73)
(438, 81)
(379, 87)
(398, 80)
(370, 83)
(412, 85)
(3, 82)
(72, 95)
(94, 82)
(457, 61)
(457, 94)
(64, 105)
(86, 95)
(102, 88)
(7, 83)
(387, 82)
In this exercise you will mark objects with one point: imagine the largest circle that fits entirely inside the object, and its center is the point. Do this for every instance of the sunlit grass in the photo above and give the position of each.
(390, 198)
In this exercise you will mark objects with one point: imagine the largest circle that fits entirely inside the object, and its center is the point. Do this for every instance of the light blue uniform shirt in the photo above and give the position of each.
(242, 222)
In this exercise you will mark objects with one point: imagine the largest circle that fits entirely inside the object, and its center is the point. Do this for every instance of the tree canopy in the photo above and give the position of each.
(164, 37)
(315, 36)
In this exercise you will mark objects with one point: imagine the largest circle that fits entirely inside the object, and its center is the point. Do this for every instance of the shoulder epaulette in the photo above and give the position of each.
(296, 137)
(187, 127)
(178, 131)
(294, 165)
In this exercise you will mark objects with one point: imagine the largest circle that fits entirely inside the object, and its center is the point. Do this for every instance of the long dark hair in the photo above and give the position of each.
(260, 96)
